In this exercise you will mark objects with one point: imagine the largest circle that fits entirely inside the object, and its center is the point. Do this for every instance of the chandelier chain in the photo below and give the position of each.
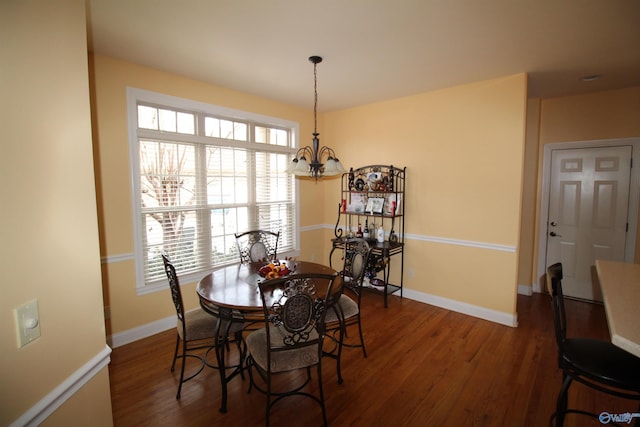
(315, 98)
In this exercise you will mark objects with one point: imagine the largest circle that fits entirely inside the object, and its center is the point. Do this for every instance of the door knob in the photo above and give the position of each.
(553, 223)
(553, 234)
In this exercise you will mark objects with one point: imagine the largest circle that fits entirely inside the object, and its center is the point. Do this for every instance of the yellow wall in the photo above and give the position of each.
(528, 226)
(463, 148)
(439, 136)
(110, 78)
(600, 115)
(50, 248)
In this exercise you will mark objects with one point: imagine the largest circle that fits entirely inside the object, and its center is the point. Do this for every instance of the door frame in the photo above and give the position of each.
(634, 197)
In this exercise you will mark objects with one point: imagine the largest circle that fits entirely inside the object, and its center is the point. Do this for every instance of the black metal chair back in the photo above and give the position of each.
(198, 330)
(174, 286)
(257, 245)
(293, 334)
(356, 259)
(554, 276)
(300, 308)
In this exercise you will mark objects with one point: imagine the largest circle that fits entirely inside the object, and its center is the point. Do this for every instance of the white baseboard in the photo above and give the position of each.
(507, 319)
(525, 290)
(538, 288)
(144, 331)
(52, 401)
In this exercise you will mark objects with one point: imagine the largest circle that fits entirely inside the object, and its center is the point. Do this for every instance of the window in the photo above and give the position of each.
(202, 173)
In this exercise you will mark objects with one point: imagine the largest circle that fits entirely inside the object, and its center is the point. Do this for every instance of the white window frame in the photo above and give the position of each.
(135, 96)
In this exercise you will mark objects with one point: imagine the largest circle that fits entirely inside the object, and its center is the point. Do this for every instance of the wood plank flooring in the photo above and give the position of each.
(426, 366)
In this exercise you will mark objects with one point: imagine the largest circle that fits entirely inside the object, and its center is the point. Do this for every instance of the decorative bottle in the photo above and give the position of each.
(359, 232)
(380, 233)
(365, 233)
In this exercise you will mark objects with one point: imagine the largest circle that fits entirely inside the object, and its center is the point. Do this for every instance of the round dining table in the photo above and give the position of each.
(231, 294)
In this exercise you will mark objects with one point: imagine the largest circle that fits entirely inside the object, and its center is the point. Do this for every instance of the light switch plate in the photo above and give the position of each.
(27, 322)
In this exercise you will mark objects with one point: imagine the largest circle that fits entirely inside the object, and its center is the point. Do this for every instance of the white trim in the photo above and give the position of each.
(525, 290)
(315, 227)
(59, 395)
(134, 186)
(117, 258)
(433, 239)
(634, 193)
(500, 317)
(144, 331)
(459, 242)
(189, 104)
(536, 287)
(436, 239)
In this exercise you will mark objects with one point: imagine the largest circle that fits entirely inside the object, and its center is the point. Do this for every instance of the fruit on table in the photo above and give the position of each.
(274, 270)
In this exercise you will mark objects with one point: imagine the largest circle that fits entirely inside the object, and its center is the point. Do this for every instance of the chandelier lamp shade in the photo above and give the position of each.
(308, 160)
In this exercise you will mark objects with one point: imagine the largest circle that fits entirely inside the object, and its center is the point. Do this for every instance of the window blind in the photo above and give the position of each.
(200, 178)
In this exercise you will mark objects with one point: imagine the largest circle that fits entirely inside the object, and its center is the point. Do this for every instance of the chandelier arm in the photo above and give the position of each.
(304, 152)
(328, 151)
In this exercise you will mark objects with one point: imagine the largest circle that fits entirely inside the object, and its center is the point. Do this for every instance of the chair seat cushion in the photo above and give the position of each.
(348, 306)
(603, 362)
(202, 325)
(281, 361)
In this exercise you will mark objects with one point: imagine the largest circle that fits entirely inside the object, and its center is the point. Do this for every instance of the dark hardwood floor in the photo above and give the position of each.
(426, 366)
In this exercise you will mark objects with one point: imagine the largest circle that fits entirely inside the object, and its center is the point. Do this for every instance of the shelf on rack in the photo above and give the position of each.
(381, 215)
(380, 289)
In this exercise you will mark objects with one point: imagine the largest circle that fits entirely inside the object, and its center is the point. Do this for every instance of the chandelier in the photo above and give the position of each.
(314, 167)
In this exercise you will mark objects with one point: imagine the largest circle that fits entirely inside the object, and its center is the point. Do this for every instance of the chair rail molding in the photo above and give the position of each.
(65, 390)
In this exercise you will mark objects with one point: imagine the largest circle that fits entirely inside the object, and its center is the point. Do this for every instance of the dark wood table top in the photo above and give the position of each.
(236, 286)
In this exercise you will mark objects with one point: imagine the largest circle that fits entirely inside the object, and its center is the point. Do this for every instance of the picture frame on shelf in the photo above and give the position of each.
(375, 205)
(357, 203)
(391, 198)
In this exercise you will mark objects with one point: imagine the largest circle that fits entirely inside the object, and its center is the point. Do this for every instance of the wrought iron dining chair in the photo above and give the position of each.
(196, 330)
(257, 245)
(293, 336)
(347, 311)
(595, 363)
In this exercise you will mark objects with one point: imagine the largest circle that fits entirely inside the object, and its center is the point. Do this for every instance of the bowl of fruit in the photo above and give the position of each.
(274, 270)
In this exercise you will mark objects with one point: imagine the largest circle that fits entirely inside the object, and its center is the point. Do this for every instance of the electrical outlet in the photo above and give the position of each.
(313, 257)
(27, 322)
(411, 273)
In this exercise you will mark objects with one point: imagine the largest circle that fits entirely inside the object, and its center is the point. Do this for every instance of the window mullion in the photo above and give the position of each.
(203, 215)
(251, 176)
(251, 180)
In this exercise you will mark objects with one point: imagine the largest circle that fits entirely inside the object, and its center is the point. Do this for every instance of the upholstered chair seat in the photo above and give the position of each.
(346, 305)
(201, 325)
(296, 358)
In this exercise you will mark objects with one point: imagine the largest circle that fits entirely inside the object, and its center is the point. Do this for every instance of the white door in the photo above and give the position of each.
(588, 204)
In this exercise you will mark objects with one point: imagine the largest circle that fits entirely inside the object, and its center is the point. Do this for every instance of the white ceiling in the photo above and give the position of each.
(375, 50)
